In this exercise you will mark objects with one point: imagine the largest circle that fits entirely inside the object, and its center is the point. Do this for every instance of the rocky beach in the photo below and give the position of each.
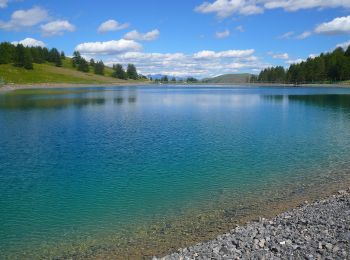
(318, 230)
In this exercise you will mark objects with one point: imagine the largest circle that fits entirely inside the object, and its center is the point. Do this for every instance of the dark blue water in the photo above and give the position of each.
(83, 166)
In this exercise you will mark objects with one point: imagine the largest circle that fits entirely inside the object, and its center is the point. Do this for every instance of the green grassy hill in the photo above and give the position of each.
(229, 79)
(48, 73)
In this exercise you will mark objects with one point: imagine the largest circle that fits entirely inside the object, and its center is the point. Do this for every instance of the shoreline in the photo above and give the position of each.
(316, 230)
(12, 87)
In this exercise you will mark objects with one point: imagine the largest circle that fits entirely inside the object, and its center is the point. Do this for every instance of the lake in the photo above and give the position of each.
(137, 171)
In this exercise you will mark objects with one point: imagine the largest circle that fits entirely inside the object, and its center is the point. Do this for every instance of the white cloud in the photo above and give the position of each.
(200, 64)
(25, 18)
(137, 36)
(303, 35)
(223, 34)
(239, 28)
(57, 27)
(344, 45)
(205, 54)
(281, 56)
(108, 47)
(3, 3)
(296, 61)
(312, 55)
(225, 8)
(294, 5)
(339, 25)
(111, 25)
(286, 35)
(30, 42)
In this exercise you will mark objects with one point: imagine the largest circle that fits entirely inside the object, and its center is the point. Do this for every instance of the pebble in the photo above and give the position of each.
(320, 230)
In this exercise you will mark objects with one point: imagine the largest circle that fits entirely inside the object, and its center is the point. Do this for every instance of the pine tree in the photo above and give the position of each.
(7, 51)
(83, 65)
(28, 61)
(131, 72)
(76, 58)
(99, 68)
(19, 56)
(119, 72)
(164, 79)
(92, 62)
(55, 57)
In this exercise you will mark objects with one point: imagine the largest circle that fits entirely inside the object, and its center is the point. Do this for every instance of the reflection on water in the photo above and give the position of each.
(334, 101)
(139, 171)
(59, 98)
(325, 100)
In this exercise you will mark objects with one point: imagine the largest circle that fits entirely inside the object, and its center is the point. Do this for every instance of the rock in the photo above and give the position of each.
(335, 249)
(262, 243)
(314, 231)
(329, 246)
(224, 251)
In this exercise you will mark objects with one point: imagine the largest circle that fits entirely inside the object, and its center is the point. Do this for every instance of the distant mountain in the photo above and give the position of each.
(229, 79)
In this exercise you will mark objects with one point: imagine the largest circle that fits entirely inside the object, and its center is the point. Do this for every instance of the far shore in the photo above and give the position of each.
(11, 87)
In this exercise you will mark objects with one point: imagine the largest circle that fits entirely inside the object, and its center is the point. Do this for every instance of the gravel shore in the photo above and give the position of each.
(320, 230)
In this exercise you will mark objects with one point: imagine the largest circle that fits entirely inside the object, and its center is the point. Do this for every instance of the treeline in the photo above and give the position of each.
(22, 56)
(99, 68)
(83, 65)
(165, 79)
(129, 73)
(327, 67)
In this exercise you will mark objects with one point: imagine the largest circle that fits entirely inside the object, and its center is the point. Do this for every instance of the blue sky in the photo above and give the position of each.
(182, 37)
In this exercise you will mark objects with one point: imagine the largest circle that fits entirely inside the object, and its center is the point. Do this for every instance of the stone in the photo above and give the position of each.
(329, 246)
(262, 243)
(315, 231)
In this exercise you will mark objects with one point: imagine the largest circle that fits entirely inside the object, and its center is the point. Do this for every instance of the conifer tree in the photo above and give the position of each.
(131, 71)
(119, 72)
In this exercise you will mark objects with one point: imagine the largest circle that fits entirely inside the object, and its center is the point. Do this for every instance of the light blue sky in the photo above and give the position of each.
(191, 37)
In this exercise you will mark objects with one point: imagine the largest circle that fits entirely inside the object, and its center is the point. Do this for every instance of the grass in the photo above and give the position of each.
(48, 73)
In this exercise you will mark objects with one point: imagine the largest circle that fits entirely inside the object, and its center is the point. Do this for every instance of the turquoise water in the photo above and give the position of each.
(89, 166)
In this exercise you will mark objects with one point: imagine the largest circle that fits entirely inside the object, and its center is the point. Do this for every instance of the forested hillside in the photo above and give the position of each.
(22, 64)
(326, 68)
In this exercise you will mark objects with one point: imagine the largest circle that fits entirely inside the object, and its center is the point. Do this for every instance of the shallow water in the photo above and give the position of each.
(87, 171)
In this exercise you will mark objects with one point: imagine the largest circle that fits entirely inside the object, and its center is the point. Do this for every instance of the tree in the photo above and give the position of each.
(164, 79)
(131, 71)
(76, 58)
(253, 79)
(92, 62)
(99, 68)
(83, 65)
(45, 54)
(55, 57)
(173, 80)
(347, 52)
(7, 51)
(19, 56)
(37, 54)
(191, 80)
(119, 72)
(28, 61)
(63, 56)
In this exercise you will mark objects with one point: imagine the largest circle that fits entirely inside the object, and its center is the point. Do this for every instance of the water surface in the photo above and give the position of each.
(134, 171)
